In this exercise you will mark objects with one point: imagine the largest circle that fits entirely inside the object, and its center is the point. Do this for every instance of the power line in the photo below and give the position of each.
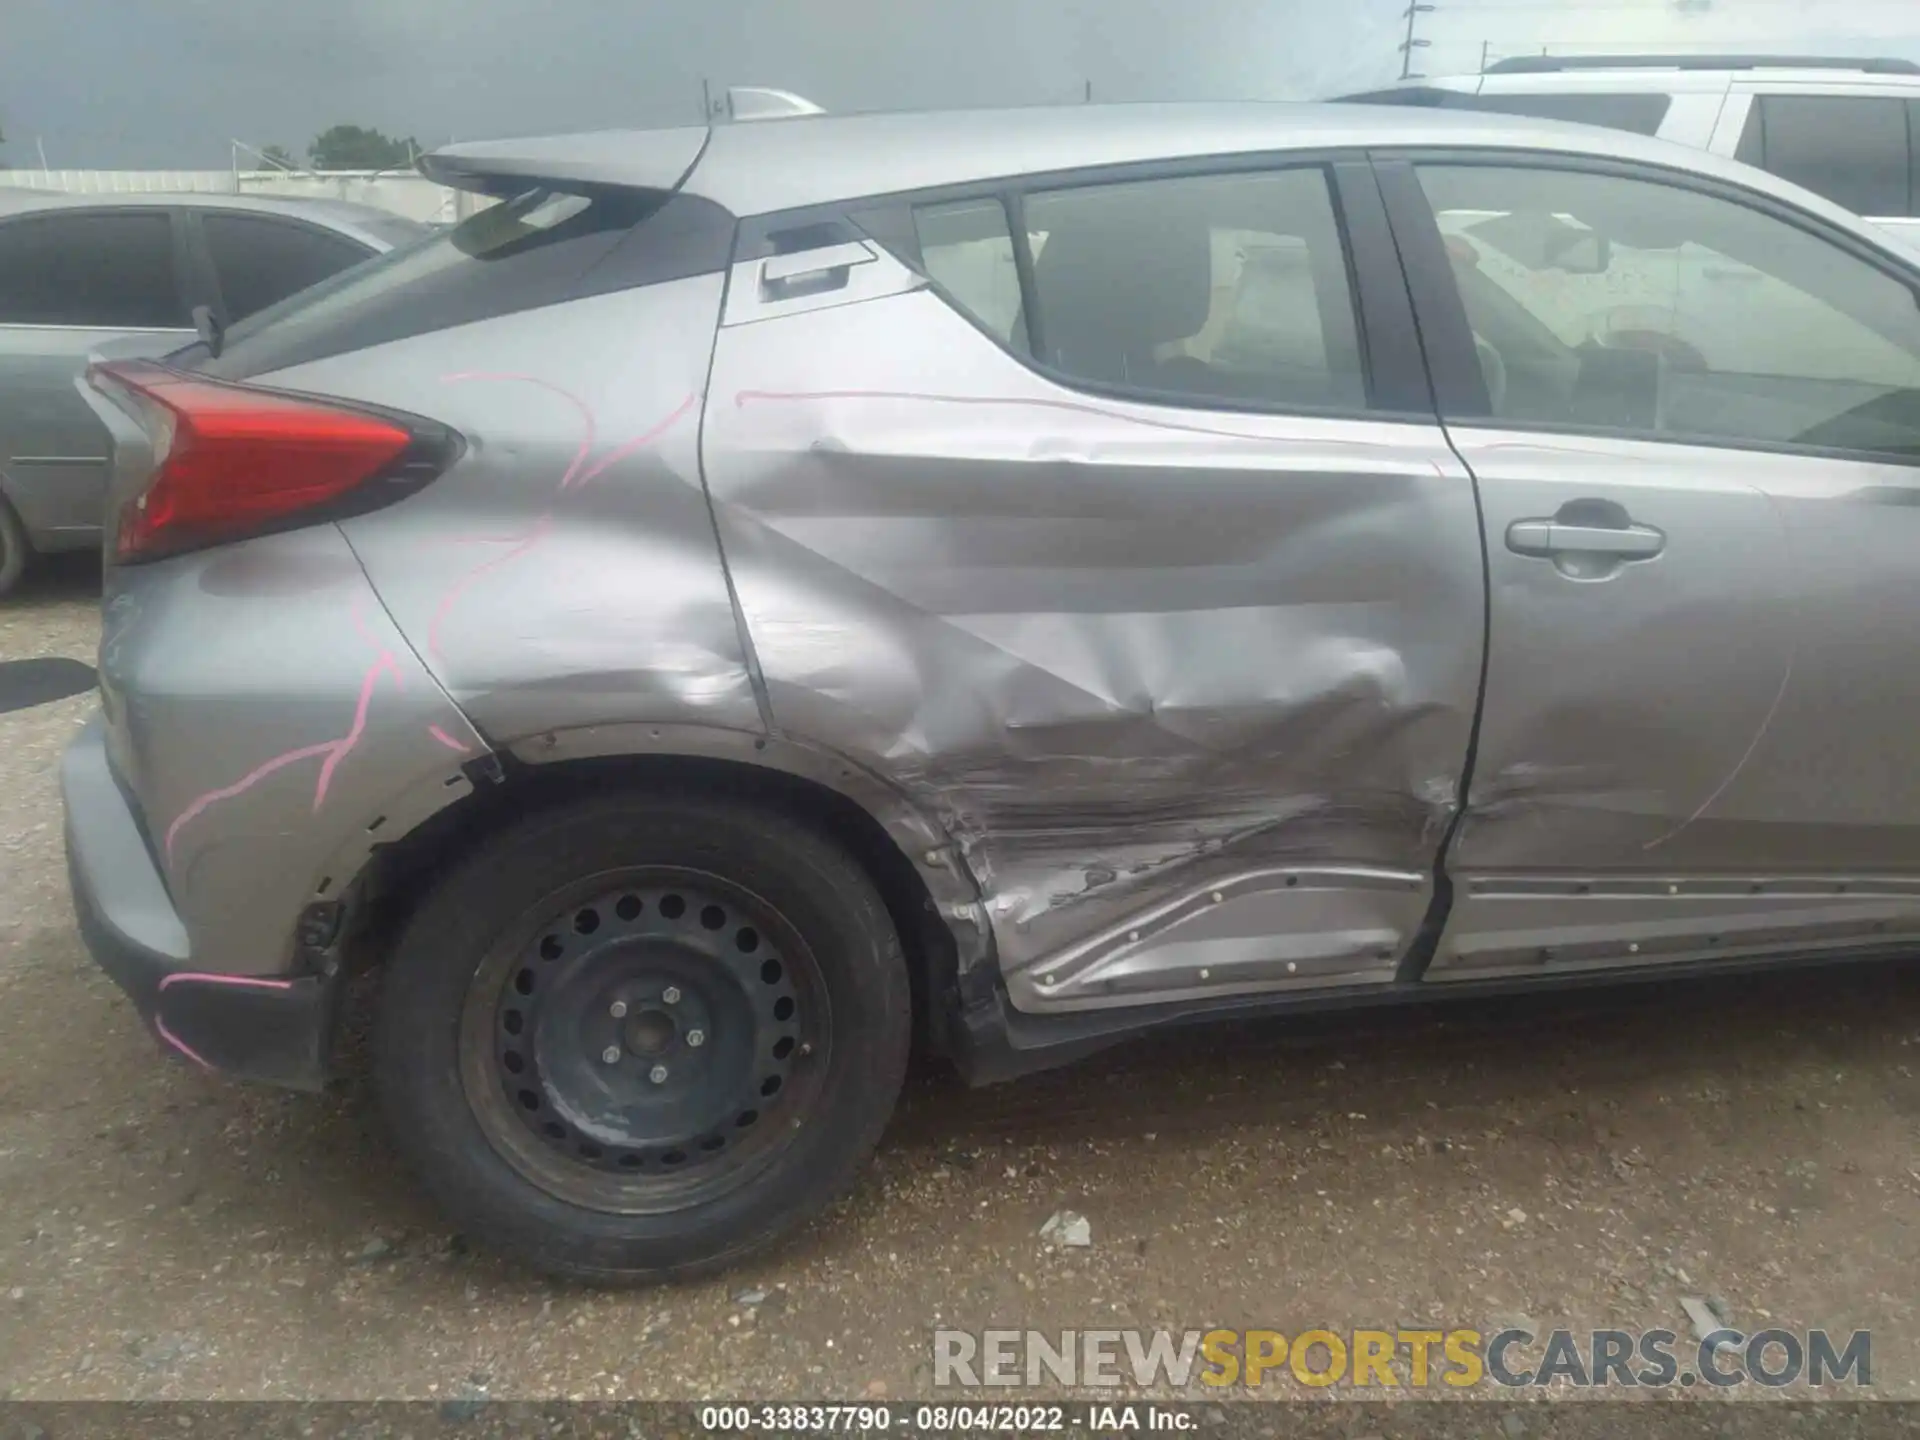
(1414, 11)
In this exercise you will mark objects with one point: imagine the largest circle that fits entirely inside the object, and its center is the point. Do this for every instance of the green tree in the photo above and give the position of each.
(280, 155)
(351, 147)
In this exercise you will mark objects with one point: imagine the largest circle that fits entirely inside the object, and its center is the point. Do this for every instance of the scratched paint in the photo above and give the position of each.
(578, 471)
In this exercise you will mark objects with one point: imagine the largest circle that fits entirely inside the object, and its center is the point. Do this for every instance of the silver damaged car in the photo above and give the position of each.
(758, 599)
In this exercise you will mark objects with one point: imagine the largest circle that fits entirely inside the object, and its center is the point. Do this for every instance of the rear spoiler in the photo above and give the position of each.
(629, 159)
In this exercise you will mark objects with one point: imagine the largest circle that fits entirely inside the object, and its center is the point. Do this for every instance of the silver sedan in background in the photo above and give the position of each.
(79, 270)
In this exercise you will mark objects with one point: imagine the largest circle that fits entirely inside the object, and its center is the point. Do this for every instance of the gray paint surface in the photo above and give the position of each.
(1160, 701)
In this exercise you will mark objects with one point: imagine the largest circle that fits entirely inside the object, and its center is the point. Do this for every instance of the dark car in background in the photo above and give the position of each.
(76, 271)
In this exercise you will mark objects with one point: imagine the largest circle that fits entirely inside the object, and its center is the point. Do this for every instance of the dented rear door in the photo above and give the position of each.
(1187, 670)
(1701, 517)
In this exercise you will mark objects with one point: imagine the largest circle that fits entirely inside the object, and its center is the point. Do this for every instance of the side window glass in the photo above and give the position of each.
(260, 261)
(966, 248)
(1602, 302)
(111, 270)
(1854, 151)
(1217, 289)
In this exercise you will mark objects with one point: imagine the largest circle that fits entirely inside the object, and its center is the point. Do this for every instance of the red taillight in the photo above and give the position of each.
(232, 461)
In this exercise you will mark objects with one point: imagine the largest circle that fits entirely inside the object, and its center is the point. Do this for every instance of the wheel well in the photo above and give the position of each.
(406, 870)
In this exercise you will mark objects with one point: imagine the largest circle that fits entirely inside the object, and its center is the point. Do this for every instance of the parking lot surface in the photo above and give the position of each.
(1587, 1161)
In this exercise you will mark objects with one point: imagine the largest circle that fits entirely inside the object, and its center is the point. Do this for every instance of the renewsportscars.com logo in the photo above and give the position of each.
(1412, 1359)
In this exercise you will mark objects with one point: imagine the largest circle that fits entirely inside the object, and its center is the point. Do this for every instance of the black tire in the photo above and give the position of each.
(521, 890)
(14, 549)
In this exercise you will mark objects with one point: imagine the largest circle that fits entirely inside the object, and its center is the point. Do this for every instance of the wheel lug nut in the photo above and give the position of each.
(696, 1038)
(671, 994)
(618, 1010)
(611, 1054)
(658, 1074)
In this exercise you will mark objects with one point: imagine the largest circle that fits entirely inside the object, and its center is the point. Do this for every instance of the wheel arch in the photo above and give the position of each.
(920, 872)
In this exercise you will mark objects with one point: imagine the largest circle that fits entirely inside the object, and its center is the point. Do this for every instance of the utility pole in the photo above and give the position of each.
(1486, 51)
(1410, 44)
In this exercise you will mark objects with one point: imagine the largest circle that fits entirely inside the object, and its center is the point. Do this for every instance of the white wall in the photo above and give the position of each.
(403, 193)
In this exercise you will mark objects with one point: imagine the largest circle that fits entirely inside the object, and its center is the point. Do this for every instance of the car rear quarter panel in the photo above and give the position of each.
(564, 573)
(274, 726)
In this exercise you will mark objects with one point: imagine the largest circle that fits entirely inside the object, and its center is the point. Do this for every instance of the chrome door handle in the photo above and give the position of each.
(1547, 538)
(783, 273)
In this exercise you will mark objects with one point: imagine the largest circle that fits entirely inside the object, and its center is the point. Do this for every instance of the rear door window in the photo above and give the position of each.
(1855, 150)
(542, 248)
(966, 248)
(261, 260)
(101, 269)
(1221, 290)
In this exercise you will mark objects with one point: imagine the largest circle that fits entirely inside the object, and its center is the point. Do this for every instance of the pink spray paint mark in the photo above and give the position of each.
(236, 982)
(245, 783)
(577, 473)
(333, 751)
(521, 545)
(343, 747)
(587, 428)
(192, 977)
(639, 442)
(160, 1029)
(447, 740)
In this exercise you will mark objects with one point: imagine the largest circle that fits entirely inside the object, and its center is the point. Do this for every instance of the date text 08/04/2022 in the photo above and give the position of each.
(935, 1419)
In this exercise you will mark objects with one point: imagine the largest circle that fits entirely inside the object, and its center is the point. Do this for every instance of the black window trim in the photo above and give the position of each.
(184, 289)
(1392, 367)
(209, 291)
(1458, 380)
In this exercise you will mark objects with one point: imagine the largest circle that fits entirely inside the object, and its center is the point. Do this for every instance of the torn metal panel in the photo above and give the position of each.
(274, 727)
(1119, 651)
(565, 571)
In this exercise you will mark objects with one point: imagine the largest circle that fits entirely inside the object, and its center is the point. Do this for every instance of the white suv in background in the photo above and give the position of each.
(1844, 129)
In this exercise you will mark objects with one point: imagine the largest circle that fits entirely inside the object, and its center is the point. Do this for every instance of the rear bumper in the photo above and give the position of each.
(274, 1029)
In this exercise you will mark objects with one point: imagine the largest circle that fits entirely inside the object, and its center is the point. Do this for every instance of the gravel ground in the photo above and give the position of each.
(1580, 1161)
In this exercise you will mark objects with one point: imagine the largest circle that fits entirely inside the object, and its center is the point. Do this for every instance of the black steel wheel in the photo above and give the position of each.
(643, 1035)
(649, 1042)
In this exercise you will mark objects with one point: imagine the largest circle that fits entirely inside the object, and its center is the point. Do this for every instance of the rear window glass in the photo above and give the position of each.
(540, 248)
(1642, 114)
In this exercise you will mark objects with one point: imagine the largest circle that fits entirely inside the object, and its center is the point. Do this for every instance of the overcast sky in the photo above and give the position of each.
(168, 83)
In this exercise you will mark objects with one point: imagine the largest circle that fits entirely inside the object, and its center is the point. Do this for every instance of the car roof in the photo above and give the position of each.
(366, 223)
(760, 167)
